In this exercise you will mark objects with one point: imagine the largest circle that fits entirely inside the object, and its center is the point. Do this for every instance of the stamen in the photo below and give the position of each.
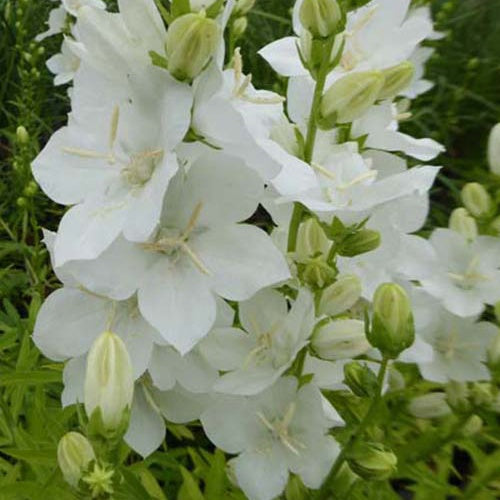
(115, 117)
(403, 116)
(372, 174)
(196, 260)
(84, 153)
(324, 171)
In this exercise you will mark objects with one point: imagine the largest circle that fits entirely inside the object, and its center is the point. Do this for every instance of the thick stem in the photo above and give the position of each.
(324, 492)
(312, 130)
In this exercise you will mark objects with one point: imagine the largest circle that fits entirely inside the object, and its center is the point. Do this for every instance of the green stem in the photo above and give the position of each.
(312, 131)
(324, 492)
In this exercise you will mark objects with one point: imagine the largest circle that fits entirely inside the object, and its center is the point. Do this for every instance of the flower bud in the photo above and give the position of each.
(341, 295)
(361, 242)
(240, 25)
(393, 329)
(316, 272)
(242, 7)
(373, 461)
(462, 223)
(311, 240)
(22, 135)
(397, 79)
(360, 379)
(341, 339)
(494, 149)
(74, 453)
(482, 394)
(457, 396)
(473, 426)
(320, 17)
(432, 405)
(477, 200)
(109, 382)
(192, 40)
(350, 97)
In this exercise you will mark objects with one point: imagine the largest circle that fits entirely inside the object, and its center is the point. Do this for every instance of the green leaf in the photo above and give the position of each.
(215, 482)
(35, 377)
(158, 59)
(189, 489)
(180, 7)
(214, 9)
(42, 457)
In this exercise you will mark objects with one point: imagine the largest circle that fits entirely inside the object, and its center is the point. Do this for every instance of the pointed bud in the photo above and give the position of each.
(494, 149)
(462, 223)
(311, 240)
(473, 426)
(373, 462)
(457, 396)
(360, 379)
(350, 97)
(340, 339)
(477, 200)
(22, 135)
(109, 382)
(361, 242)
(74, 453)
(240, 25)
(321, 18)
(397, 79)
(393, 329)
(432, 405)
(192, 40)
(242, 7)
(341, 295)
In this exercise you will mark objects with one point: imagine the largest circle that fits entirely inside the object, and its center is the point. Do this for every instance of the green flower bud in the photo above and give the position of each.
(373, 462)
(350, 97)
(361, 242)
(109, 381)
(341, 295)
(432, 405)
(311, 240)
(74, 453)
(463, 223)
(192, 40)
(481, 394)
(393, 329)
(242, 7)
(240, 25)
(321, 17)
(22, 135)
(360, 379)
(341, 339)
(494, 149)
(316, 272)
(397, 79)
(477, 200)
(457, 396)
(473, 426)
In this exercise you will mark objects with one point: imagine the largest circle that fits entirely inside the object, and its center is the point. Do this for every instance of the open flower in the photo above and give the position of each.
(198, 252)
(280, 431)
(255, 359)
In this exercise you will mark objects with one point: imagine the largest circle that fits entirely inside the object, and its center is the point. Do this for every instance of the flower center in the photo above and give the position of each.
(279, 429)
(471, 277)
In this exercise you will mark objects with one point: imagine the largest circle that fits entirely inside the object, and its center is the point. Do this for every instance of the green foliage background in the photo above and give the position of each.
(439, 460)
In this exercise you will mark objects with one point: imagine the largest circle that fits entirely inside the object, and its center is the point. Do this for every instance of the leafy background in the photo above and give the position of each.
(443, 459)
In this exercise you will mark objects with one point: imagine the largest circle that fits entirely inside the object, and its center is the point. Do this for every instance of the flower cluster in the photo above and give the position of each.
(166, 156)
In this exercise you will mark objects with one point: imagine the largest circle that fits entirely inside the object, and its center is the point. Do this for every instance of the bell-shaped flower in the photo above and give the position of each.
(113, 161)
(197, 253)
(64, 65)
(281, 431)
(254, 359)
(463, 275)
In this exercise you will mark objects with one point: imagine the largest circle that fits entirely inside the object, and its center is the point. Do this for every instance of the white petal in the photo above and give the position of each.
(73, 378)
(146, 430)
(242, 260)
(248, 382)
(177, 301)
(283, 56)
(68, 322)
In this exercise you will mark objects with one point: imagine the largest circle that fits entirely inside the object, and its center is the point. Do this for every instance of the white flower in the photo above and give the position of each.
(56, 23)
(282, 430)
(255, 359)
(229, 113)
(464, 275)
(419, 85)
(73, 6)
(198, 252)
(459, 344)
(64, 65)
(113, 161)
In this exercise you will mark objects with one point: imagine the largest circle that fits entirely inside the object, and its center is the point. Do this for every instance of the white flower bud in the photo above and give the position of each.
(74, 453)
(350, 97)
(311, 240)
(477, 200)
(393, 327)
(494, 149)
(341, 295)
(109, 382)
(463, 223)
(431, 405)
(373, 461)
(397, 79)
(341, 339)
(192, 40)
(320, 17)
